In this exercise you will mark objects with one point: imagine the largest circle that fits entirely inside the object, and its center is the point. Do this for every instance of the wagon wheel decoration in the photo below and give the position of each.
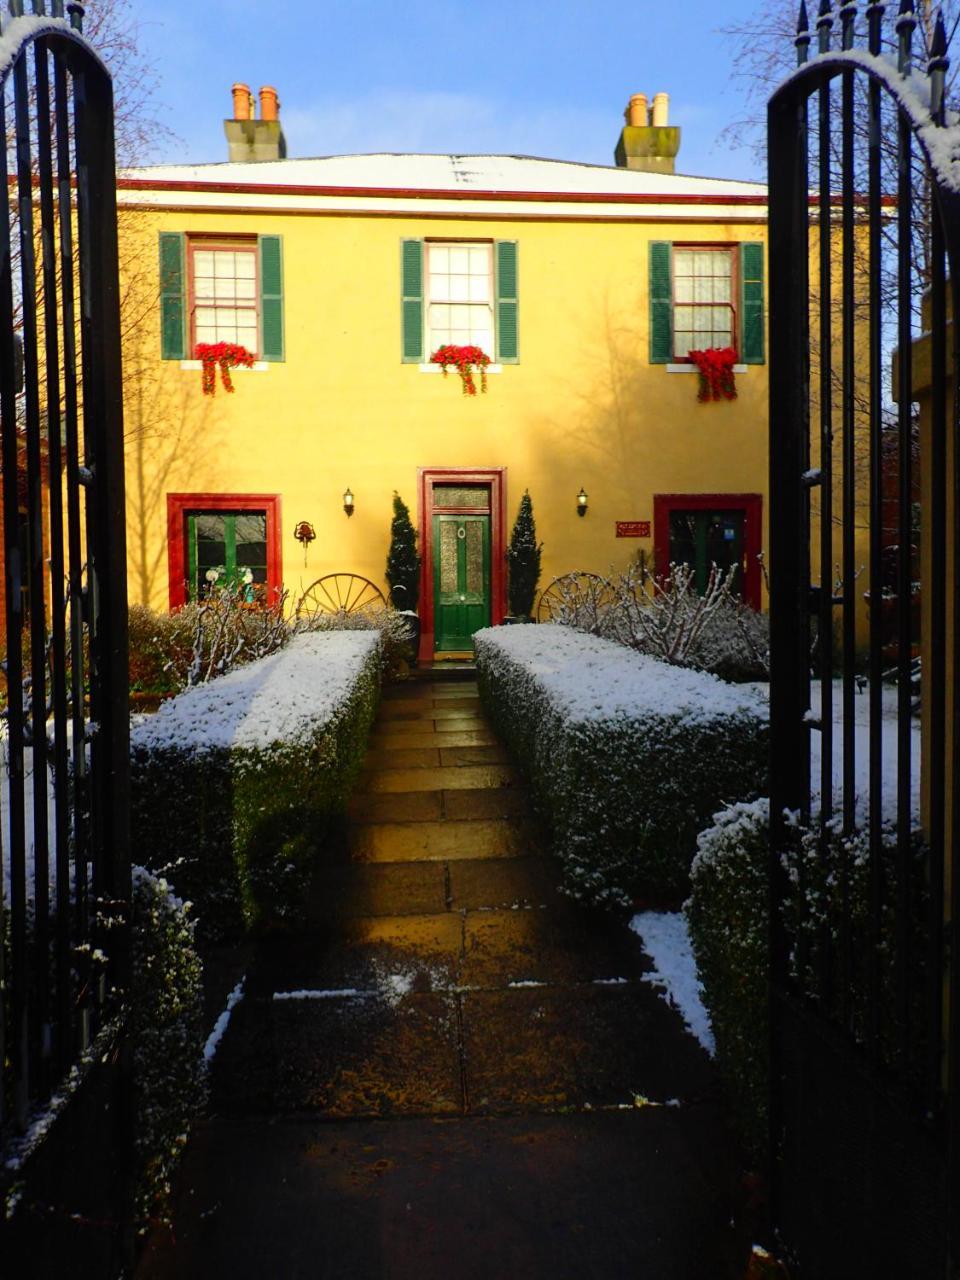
(577, 599)
(340, 593)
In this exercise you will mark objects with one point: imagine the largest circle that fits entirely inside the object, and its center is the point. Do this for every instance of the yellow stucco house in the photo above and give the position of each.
(586, 285)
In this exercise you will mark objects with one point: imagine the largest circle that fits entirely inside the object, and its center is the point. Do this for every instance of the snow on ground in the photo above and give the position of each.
(666, 940)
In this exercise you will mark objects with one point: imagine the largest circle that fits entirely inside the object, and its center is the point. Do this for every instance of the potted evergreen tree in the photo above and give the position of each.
(523, 562)
(403, 570)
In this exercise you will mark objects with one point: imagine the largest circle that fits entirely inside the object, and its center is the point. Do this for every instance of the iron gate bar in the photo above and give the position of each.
(17, 1030)
(877, 593)
(935, 1051)
(825, 621)
(58, 665)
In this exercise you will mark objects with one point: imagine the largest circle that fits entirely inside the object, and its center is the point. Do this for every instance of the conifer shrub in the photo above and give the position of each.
(627, 757)
(236, 784)
(523, 560)
(403, 559)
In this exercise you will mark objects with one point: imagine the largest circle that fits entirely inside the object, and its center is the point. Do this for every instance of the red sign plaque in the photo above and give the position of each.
(633, 528)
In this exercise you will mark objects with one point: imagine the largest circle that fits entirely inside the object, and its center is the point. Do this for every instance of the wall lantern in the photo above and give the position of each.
(581, 503)
(348, 502)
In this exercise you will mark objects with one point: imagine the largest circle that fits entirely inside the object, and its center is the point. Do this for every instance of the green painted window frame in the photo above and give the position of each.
(750, 292)
(506, 307)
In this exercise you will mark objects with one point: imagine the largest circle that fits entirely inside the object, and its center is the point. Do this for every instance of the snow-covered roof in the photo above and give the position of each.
(442, 185)
(483, 173)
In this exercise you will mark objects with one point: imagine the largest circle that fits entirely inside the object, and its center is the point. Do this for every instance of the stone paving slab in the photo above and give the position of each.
(504, 883)
(504, 802)
(419, 841)
(446, 709)
(532, 945)
(391, 889)
(459, 756)
(539, 1197)
(550, 1048)
(410, 806)
(415, 953)
(344, 1056)
(464, 777)
(400, 757)
(400, 739)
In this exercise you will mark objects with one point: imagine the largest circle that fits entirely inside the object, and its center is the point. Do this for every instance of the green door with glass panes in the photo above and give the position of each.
(227, 548)
(461, 579)
(702, 539)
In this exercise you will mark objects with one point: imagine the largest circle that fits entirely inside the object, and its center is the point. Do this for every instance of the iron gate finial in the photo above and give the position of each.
(803, 34)
(937, 70)
(906, 23)
(848, 17)
(824, 25)
(875, 14)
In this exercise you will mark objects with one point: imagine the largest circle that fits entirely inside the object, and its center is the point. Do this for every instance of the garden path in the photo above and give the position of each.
(440, 1077)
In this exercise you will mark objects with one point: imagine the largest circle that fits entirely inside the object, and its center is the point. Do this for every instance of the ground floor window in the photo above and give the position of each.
(703, 530)
(220, 539)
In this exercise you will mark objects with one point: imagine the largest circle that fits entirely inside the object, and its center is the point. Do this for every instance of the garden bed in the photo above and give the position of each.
(235, 782)
(627, 757)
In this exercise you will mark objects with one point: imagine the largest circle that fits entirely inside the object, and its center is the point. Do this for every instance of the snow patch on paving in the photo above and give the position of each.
(666, 940)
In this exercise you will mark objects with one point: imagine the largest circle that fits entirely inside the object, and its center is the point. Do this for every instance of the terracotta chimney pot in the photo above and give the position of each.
(242, 102)
(636, 112)
(269, 103)
(661, 107)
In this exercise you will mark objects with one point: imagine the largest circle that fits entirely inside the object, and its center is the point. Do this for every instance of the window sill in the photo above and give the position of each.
(259, 366)
(435, 368)
(692, 368)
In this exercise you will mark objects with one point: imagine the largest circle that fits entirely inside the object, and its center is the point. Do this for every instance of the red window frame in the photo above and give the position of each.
(179, 505)
(712, 247)
(232, 244)
(751, 504)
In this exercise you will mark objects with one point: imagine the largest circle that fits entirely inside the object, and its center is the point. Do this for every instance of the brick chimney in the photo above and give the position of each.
(648, 142)
(249, 139)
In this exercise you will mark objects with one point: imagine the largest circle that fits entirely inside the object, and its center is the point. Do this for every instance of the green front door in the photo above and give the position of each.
(705, 538)
(461, 579)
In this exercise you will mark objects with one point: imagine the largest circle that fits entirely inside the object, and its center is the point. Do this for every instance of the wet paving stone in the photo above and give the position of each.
(397, 953)
(401, 758)
(464, 777)
(410, 806)
(503, 947)
(504, 802)
(391, 889)
(458, 756)
(505, 883)
(554, 1048)
(391, 740)
(419, 841)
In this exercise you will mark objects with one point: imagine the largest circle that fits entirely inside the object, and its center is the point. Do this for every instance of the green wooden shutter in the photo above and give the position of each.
(172, 307)
(661, 303)
(751, 303)
(271, 297)
(411, 300)
(508, 302)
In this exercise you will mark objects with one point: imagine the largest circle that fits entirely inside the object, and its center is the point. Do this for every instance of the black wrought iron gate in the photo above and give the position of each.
(64, 851)
(865, 617)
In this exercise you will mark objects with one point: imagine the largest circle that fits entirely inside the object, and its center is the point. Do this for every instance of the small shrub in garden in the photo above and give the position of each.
(829, 880)
(166, 1033)
(523, 560)
(403, 559)
(627, 757)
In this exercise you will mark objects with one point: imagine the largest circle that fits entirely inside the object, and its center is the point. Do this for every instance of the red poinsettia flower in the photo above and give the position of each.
(715, 366)
(228, 355)
(464, 360)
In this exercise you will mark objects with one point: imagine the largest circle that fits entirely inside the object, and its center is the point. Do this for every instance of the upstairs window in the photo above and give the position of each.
(460, 296)
(224, 294)
(706, 295)
(221, 289)
(462, 292)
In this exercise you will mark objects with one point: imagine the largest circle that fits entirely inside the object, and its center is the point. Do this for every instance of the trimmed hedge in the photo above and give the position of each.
(627, 757)
(236, 782)
(728, 914)
(166, 1032)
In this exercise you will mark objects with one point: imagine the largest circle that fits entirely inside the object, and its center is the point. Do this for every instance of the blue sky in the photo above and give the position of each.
(527, 77)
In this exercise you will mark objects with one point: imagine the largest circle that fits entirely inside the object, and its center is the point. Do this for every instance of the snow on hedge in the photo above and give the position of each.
(281, 698)
(627, 757)
(235, 782)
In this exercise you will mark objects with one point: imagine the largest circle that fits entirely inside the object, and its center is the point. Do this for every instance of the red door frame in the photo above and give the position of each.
(178, 504)
(751, 504)
(427, 478)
